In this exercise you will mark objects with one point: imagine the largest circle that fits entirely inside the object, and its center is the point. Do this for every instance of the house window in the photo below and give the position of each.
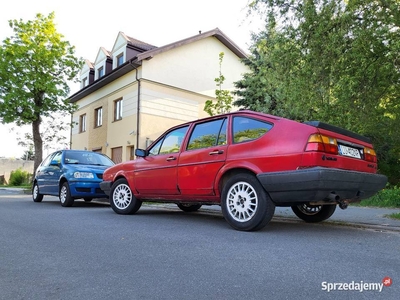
(120, 59)
(84, 82)
(118, 110)
(82, 123)
(100, 72)
(98, 114)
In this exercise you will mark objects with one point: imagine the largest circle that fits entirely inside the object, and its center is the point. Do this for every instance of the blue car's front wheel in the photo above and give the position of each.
(65, 195)
(37, 197)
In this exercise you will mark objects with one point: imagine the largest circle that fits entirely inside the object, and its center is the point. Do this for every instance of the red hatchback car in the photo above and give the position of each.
(248, 163)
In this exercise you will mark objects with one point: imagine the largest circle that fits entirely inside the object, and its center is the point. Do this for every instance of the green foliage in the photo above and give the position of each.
(224, 97)
(28, 154)
(388, 197)
(36, 65)
(203, 141)
(335, 61)
(394, 216)
(19, 178)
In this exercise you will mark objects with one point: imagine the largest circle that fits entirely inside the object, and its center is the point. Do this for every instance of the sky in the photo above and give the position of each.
(89, 25)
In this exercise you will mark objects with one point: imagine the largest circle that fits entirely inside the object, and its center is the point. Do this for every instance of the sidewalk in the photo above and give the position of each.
(366, 217)
(354, 215)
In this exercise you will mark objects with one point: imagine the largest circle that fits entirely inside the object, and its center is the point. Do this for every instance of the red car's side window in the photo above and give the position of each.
(208, 134)
(170, 143)
(247, 129)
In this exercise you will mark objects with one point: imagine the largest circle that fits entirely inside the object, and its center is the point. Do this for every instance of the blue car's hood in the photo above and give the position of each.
(86, 168)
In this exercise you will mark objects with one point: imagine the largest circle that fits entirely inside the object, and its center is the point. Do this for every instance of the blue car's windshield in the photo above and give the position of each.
(87, 158)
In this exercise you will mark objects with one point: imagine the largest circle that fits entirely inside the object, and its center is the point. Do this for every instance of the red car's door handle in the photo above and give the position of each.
(171, 158)
(216, 152)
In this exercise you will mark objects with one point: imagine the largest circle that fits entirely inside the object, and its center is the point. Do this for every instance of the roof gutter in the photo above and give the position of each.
(127, 67)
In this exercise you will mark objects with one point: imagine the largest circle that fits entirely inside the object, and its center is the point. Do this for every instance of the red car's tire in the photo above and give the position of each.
(189, 207)
(245, 204)
(122, 199)
(314, 213)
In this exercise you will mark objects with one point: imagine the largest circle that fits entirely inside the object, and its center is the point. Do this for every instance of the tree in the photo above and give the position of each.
(53, 133)
(35, 67)
(336, 61)
(224, 97)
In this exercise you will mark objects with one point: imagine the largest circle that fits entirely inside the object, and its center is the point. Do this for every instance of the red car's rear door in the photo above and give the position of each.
(203, 157)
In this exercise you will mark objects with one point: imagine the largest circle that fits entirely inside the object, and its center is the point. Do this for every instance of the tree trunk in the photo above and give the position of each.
(38, 144)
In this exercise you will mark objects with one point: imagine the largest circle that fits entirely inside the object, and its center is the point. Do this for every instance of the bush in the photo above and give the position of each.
(19, 177)
(388, 197)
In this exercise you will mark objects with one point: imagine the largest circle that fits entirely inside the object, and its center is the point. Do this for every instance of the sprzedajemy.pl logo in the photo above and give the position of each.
(356, 286)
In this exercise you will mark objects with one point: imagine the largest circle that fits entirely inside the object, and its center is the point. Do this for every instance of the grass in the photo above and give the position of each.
(387, 198)
(394, 216)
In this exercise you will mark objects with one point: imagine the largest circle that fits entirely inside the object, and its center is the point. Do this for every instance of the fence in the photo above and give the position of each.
(7, 165)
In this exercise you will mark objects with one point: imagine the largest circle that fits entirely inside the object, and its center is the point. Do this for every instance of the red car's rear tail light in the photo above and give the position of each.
(370, 155)
(322, 143)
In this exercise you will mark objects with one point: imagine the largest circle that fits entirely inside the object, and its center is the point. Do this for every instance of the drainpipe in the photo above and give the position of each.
(70, 131)
(138, 111)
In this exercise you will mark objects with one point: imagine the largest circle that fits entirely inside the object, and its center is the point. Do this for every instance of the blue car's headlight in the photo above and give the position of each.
(83, 175)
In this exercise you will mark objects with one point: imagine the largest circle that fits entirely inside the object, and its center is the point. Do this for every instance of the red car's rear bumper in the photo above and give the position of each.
(318, 184)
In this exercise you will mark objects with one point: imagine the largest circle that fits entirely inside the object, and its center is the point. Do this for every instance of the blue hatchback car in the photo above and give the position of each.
(71, 174)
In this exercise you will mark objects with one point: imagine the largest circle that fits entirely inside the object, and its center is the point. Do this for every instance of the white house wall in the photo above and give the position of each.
(195, 66)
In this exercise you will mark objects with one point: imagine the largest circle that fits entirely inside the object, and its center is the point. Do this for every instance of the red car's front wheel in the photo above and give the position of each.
(122, 199)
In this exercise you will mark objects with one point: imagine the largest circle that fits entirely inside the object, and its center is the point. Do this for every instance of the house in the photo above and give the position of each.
(133, 93)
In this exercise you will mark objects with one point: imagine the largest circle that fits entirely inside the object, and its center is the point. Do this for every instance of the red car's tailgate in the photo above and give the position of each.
(335, 147)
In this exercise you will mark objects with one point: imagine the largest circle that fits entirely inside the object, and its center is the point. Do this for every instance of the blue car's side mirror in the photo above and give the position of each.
(55, 163)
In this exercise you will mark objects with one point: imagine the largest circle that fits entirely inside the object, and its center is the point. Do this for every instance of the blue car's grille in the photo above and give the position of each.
(89, 190)
(100, 176)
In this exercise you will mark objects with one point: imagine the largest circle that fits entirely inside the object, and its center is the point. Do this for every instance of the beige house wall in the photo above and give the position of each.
(164, 106)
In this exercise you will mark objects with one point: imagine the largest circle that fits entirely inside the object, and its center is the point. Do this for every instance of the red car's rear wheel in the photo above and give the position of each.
(245, 204)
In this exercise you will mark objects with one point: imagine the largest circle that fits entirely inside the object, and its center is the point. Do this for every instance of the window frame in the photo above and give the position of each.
(120, 59)
(161, 141)
(100, 72)
(118, 105)
(84, 82)
(270, 125)
(82, 123)
(222, 125)
(98, 120)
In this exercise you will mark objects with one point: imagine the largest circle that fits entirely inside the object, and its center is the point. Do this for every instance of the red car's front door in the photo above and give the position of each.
(203, 157)
(156, 174)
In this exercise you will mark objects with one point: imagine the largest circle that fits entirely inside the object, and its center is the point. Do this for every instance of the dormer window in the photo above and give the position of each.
(100, 72)
(84, 82)
(120, 59)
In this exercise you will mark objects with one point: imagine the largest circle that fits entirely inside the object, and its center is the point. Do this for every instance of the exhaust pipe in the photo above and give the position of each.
(343, 204)
(333, 197)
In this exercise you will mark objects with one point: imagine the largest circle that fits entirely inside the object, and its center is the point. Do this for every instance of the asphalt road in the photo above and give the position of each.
(89, 252)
